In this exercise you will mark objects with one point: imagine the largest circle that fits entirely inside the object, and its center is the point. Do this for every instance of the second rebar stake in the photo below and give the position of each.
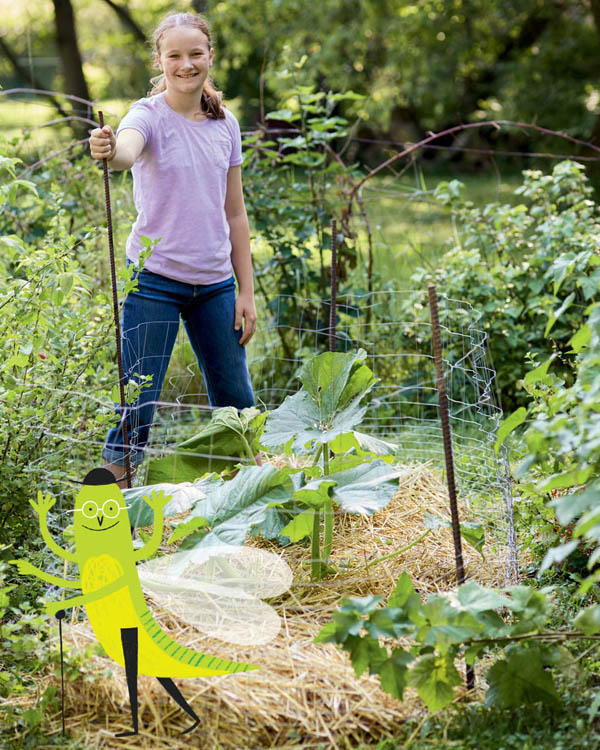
(447, 438)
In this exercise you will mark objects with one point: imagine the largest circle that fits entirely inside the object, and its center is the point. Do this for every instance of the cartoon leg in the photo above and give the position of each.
(173, 691)
(129, 639)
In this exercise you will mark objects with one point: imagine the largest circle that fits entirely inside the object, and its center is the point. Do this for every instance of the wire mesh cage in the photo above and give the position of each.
(394, 329)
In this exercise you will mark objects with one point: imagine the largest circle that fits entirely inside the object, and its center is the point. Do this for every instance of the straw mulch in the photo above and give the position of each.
(304, 694)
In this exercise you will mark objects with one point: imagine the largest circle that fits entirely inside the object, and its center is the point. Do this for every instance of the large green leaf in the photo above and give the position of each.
(299, 419)
(233, 508)
(183, 497)
(435, 678)
(299, 527)
(222, 444)
(365, 488)
(228, 421)
(189, 466)
(316, 493)
(327, 406)
(519, 679)
(362, 444)
(333, 380)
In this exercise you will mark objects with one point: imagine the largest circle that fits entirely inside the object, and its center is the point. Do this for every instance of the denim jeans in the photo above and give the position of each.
(149, 325)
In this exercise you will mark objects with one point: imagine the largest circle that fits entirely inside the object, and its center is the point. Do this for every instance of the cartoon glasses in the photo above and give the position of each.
(110, 508)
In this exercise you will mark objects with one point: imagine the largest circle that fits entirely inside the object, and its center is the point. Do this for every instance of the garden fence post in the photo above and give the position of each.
(113, 278)
(447, 438)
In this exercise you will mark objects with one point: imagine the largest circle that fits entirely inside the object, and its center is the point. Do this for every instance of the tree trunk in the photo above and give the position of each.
(26, 75)
(68, 50)
(127, 20)
(595, 136)
(200, 6)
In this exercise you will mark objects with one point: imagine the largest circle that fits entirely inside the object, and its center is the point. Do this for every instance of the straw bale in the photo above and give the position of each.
(305, 694)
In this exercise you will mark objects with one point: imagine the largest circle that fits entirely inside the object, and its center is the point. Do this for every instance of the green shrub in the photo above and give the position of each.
(529, 269)
(56, 350)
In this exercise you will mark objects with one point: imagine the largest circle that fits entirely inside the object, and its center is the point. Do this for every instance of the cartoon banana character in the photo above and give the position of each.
(112, 594)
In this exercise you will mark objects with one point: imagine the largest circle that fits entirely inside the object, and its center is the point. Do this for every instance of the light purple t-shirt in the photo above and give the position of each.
(179, 188)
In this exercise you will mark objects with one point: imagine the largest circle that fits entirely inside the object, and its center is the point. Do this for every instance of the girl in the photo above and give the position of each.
(184, 150)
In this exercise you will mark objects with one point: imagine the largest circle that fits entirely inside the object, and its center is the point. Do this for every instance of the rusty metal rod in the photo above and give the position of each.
(333, 305)
(447, 437)
(113, 279)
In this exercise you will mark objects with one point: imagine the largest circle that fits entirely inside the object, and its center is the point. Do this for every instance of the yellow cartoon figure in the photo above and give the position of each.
(112, 594)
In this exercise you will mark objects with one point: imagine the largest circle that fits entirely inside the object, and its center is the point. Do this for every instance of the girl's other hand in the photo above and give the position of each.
(245, 310)
(103, 143)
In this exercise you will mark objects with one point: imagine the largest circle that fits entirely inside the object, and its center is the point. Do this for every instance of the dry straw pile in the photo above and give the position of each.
(304, 694)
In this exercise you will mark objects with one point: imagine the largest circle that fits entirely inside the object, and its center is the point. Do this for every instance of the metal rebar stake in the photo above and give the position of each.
(333, 305)
(113, 278)
(447, 438)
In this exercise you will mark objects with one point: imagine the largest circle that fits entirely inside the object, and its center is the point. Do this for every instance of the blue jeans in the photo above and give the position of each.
(149, 325)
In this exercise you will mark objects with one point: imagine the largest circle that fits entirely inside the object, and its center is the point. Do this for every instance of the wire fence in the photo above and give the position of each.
(402, 408)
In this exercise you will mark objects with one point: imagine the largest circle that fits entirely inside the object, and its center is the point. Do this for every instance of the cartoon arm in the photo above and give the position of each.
(43, 506)
(25, 568)
(92, 596)
(157, 502)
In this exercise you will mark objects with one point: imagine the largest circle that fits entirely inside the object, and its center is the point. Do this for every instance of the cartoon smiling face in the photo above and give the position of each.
(101, 521)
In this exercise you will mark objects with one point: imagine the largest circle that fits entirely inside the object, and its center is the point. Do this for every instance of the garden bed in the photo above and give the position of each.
(305, 694)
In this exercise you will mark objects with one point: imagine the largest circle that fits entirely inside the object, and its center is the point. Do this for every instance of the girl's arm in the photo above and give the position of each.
(121, 151)
(239, 234)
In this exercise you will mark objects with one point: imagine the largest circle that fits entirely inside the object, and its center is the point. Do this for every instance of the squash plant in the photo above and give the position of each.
(318, 422)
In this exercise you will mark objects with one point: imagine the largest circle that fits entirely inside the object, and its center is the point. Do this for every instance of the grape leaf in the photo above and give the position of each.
(520, 679)
(434, 677)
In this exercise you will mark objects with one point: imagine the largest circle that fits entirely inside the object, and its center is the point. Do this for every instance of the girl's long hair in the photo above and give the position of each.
(212, 100)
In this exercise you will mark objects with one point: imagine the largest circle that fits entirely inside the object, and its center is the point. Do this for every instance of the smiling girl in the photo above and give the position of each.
(184, 150)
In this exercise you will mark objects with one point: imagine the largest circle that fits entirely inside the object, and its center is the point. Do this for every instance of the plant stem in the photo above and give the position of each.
(315, 546)
(327, 509)
(317, 455)
(248, 449)
(556, 635)
(400, 551)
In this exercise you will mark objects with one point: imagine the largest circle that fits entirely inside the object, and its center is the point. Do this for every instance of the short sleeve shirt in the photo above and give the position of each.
(179, 189)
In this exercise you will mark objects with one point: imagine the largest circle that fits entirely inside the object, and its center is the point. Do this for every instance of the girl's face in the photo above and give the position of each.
(184, 58)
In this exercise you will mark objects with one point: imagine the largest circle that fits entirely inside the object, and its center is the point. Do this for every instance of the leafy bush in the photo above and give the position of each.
(292, 185)
(56, 335)
(560, 471)
(530, 269)
(471, 624)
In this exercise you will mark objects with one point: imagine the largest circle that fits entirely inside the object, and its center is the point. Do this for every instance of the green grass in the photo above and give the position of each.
(476, 727)
(410, 229)
(23, 119)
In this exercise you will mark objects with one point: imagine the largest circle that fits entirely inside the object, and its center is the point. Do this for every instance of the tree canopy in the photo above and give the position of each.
(422, 65)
